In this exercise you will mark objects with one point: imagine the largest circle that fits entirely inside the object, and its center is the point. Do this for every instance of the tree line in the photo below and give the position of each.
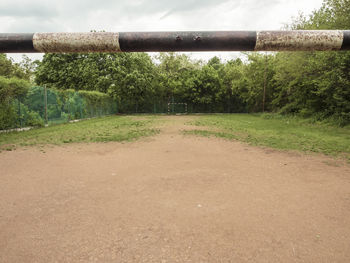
(310, 84)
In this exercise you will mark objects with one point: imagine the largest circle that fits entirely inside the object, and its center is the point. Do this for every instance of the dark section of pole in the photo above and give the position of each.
(17, 43)
(187, 41)
(346, 40)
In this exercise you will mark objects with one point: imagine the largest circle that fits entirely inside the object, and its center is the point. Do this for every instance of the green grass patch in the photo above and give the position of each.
(112, 128)
(276, 131)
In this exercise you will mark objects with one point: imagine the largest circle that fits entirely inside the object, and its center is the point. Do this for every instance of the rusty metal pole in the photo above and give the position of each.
(297, 40)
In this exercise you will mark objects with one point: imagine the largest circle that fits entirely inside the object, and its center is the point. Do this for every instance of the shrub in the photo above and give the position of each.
(34, 119)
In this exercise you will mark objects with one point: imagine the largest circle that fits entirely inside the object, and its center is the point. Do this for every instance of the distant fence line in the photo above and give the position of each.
(40, 106)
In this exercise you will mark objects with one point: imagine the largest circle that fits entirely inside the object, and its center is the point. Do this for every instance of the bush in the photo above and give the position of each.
(34, 119)
(10, 89)
(8, 116)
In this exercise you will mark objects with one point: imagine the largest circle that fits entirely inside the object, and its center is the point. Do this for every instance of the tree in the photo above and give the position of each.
(317, 83)
(135, 82)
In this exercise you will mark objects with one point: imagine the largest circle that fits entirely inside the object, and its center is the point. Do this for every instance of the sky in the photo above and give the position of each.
(24, 16)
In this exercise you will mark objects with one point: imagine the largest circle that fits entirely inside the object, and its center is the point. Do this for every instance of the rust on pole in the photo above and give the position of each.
(295, 40)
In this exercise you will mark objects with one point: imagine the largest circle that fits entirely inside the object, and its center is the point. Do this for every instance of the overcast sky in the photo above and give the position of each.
(149, 15)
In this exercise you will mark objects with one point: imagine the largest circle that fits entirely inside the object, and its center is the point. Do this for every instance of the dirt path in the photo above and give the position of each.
(172, 198)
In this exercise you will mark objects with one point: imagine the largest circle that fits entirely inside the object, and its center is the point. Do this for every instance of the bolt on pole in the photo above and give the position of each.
(294, 40)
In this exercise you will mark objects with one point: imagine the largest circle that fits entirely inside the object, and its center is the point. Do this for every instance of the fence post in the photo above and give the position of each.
(19, 113)
(45, 102)
(172, 101)
(265, 79)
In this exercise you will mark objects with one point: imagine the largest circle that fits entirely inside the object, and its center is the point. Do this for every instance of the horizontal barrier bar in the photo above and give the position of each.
(297, 40)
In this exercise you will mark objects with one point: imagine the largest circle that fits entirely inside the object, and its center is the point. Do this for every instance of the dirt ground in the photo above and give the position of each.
(172, 198)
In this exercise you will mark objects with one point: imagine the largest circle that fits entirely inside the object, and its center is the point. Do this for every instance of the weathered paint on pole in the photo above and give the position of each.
(297, 40)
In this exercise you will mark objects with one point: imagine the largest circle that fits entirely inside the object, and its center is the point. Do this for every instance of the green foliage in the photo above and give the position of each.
(311, 84)
(316, 84)
(10, 88)
(333, 14)
(34, 119)
(10, 69)
(127, 77)
(136, 82)
(8, 116)
(92, 71)
(20, 109)
(13, 84)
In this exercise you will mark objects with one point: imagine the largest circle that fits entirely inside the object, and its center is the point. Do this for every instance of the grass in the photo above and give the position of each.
(276, 131)
(112, 128)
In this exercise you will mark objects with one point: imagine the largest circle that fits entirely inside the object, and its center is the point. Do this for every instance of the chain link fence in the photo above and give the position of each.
(42, 106)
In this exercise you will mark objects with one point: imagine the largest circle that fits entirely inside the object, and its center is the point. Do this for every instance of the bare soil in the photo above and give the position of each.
(172, 198)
